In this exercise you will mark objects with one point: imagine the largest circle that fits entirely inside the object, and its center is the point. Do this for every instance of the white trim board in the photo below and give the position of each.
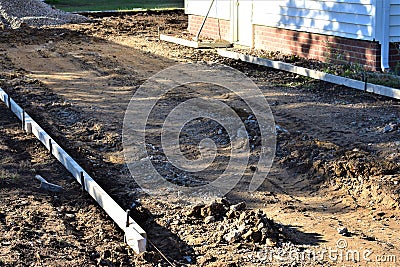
(193, 44)
(355, 84)
(135, 236)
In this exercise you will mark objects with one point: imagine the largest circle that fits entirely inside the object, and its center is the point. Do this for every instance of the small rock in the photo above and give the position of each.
(106, 254)
(388, 128)
(149, 256)
(247, 234)
(256, 236)
(135, 204)
(225, 202)
(239, 206)
(280, 129)
(232, 236)
(206, 259)
(175, 222)
(242, 229)
(188, 259)
(209, 219)
(269, 242)
(231, 214)
(214, 209)
(94, 255)
(242, 216)
(195, 211)
(343, 231)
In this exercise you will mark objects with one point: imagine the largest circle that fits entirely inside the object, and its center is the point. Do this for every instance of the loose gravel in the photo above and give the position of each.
(14, 13)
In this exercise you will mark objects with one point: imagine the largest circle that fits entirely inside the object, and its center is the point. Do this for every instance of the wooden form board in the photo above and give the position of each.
(135, 236)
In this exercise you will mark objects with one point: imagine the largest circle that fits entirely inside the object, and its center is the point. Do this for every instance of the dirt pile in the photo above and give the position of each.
(14, 13)
(235, 224)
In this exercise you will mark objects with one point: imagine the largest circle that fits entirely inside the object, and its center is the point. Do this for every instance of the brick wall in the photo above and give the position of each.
(214, 28)
(394, 57)
(317, 46)
(308, 45)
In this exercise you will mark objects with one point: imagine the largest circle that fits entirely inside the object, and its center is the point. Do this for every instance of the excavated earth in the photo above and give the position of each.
(332, 192)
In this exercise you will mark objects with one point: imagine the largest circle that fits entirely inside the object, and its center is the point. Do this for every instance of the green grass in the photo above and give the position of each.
(99, 5)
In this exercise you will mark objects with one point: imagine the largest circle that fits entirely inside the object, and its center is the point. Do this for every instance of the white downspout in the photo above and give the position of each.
(385, 35)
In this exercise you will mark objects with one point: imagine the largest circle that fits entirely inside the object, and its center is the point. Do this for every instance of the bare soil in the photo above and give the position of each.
(336, 166)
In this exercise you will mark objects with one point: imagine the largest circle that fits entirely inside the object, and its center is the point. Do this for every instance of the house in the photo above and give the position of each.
(365, 32)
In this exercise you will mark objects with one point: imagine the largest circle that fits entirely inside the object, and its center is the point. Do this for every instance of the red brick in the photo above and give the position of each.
(309, 45)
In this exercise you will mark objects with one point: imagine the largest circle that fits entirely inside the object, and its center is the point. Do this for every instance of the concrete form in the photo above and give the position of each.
(360, 85)
(135, 236)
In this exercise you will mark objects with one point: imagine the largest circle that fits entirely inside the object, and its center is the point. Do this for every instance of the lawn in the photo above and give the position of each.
(98, 5)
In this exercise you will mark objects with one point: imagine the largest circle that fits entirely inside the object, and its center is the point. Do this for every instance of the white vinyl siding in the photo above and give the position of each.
(351, 19)
(221, 9)
(357, 19)
(394, 24)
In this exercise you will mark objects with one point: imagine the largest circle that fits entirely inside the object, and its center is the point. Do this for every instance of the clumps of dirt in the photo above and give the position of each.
(14, 13)
(368, 179)
(145, 24)
(237, 225)
(322, 158)
(358, 163)
(357, 170)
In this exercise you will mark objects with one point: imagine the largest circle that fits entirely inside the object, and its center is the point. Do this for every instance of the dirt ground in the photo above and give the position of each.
(336, 166)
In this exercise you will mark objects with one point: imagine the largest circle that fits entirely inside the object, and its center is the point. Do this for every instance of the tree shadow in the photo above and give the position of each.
(330, 32)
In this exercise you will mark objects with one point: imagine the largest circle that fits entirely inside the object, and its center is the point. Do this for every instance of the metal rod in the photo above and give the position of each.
(162, 254)
(128, 213)
(83, 181)
(23, 120)
(204, 21)
(50, 146)
(9, 101)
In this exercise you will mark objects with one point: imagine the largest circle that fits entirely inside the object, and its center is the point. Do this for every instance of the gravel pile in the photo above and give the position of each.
(14, 13)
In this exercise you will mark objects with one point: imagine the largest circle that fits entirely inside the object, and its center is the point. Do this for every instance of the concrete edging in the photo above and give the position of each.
(135, 236)
(193, 44)
(355, 84)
